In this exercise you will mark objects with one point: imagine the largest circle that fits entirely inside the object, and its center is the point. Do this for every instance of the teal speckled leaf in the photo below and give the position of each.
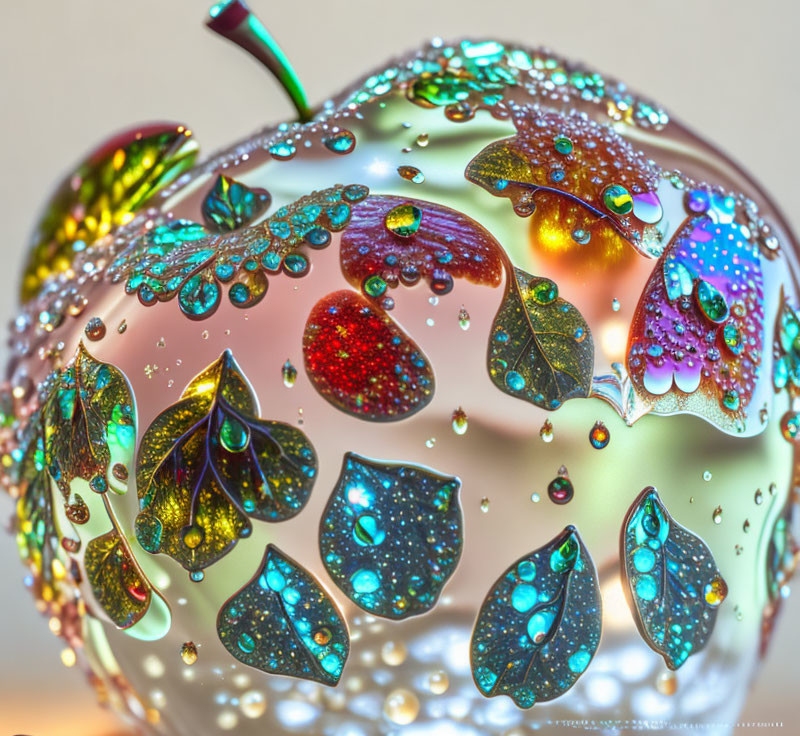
(391, 535)
(670, 579)
(283, 622)
(539, 626)
(541, 348)
(231, 205)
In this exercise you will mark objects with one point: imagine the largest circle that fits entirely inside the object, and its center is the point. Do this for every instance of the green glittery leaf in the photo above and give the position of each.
(37, 538)
(671, 581)
(208, 463)
(88, 419)
(117, 583)
(539, 626)
(102, 192)
(541, 348)
(283, 622)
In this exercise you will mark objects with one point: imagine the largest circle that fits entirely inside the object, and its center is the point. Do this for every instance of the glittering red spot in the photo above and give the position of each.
(362, 362)
(447, 245)
(138, 591)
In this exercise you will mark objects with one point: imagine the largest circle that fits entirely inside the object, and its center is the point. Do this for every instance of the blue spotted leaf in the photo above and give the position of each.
(539, 626)
(391, 535)
(283, 622)
(541, 349)
(670, 579)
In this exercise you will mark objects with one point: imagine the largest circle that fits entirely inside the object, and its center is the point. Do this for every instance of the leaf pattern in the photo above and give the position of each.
(696, 340)
(102, 192)
(671, 580)
(445, 245)
(283, 622)
(581, 182)
(541, 348)
(37, 537)
(539, 626)
(83, 442)
(359, 360)
(208, 463)
(391, 535)
(88, 420)
(181, 258)
(117, 582)
(231, 205)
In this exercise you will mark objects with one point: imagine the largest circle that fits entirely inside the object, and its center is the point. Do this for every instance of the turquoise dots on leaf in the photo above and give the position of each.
(391, 535)
(283, 622)
(671, 580)
(533, 642)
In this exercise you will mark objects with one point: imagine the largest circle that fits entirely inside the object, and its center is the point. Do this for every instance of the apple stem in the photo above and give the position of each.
(233, 20)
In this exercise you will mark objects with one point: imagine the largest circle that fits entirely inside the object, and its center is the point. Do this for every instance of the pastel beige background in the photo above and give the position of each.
(73, 71)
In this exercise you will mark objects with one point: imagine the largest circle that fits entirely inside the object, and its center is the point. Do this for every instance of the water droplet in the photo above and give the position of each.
(667, 683)
(438, 682)
(340, 142)
(617, 199)
(711, 302)
(560, 490)
(463, 318)
(204, 334)
(68, 657)
(581, 236)
(430, 442)
(615, 305)
(715, 591)
(403, 220)
(401, 707)
(422, 140)
(717, 515)
(95, 329)
(773, 489)
(790, 426)
(563, 145)
(546, 432)
(535, 497)
(599, 436)
(374, 286)
(544, 291)
(758, 497)
(411, 173)
(289, 374)
(189, 652)
(394, 653)
(460, 422)
(122, 326)
(253, 704)
(485, 504)
(746, 526)
(707, 475)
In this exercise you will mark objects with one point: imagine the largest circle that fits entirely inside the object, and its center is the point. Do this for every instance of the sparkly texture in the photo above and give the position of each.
(207, 463)
(587, 189)
(539, 626)
(283, 622)
(696, 338)
(444, 245)
(540, 349)
(119, 586)
(231, 205)
(361, 361)
(671, 581)
(102, 193)
(391, 535)
(181, 258)
(786, 373)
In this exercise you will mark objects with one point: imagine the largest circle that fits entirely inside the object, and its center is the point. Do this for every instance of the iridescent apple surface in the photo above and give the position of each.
(466, 406)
